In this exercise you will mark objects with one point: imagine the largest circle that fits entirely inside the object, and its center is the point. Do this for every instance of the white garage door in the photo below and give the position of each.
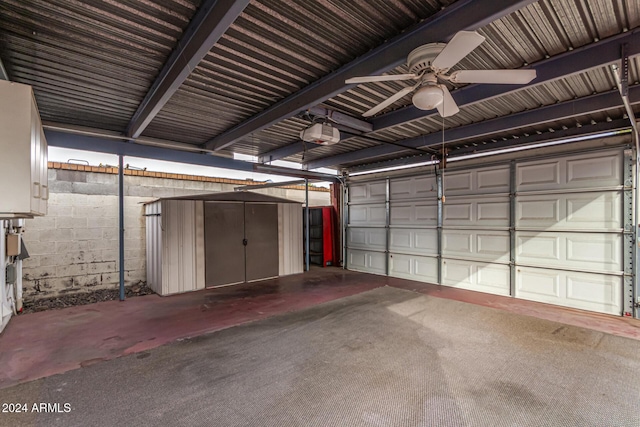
(413, 233)
(549, 230)
(569, 231)
(475, 230)
(367, 227)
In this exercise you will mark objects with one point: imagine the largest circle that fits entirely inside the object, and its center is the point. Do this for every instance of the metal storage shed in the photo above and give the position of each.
(221, 239)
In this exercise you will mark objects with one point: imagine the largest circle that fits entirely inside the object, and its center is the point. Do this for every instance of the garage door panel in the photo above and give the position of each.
(368, 192)
(487, 245)
(418, 213)
(367, 238)
(571, 172)
(367, 215)
(476, 276)
(576, 211)
(587, 291)
(579, 251)
(413, 188)
(594, 171)
(408, 241)
(476, 211)
(477, 181)
(412, 267)
(366, 261)
(457, 213)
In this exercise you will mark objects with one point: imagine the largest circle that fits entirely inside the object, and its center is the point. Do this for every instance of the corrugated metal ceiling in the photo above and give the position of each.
(92, 62)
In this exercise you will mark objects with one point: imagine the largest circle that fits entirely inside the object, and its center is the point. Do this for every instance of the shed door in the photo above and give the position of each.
(261, 233)
(224, 249)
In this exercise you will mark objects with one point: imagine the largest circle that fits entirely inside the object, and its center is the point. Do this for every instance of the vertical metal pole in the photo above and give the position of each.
(629, 250)
(306, 223)
(345, 222)
(387, 207)
(121, 222)
(512, 228)
(439, 223)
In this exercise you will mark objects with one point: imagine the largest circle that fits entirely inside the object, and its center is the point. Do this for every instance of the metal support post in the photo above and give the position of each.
(512, 228)
(121, 222)
(387, 208)
(629, 251)
(345, 222)
(306, 224)
(439, 185)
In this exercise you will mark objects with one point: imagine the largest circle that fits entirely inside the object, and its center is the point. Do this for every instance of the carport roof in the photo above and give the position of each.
(231, 196)
(246, 76)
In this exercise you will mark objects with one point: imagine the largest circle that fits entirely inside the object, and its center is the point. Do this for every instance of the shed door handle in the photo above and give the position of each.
(244, 242)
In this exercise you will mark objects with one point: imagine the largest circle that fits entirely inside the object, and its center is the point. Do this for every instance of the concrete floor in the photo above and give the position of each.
(42, 344)
(382, 357)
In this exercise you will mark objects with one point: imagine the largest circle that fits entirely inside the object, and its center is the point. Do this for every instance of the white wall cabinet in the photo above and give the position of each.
(23, 154)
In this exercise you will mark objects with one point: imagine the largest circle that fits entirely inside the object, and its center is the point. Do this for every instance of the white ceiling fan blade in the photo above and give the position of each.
(448, 106)
(391, 77)
(384, 104)
(519, 77)
(460, 46)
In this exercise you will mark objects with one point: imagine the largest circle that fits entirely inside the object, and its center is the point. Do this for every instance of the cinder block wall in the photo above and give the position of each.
(74, 248)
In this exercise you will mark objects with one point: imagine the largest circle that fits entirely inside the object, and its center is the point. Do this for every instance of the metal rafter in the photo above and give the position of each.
(210, 22)
(521, 141)
(574, 108)
(461, 15)
(110, 146)
(586, 57)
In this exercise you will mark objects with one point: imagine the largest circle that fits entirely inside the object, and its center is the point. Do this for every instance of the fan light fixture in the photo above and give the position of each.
(427, 98)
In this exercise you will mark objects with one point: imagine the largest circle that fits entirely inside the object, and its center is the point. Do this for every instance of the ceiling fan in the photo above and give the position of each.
(430, 63)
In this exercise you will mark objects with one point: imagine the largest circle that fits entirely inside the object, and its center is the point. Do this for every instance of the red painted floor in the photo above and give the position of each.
(46, 343)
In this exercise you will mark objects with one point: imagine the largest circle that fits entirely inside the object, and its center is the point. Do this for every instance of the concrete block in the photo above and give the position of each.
(40, 223)
(94, 189)
(194, 185)
(37, 247)
(38, 272)
(102, 178)
(134, 243)
(87, 233)
(102, 244)
(60, 187)
(134, 253)
(55, 235)
(59, 210)
(163, 192)
(51, 174)
(72, 199)
(102, 267)
(135, 264)
(100, 222)
(134, 233)
(71, 176)
(96, 211)
(110, 255)
(70, 222)
(110, 234)
(137, 191)
(72, 246)
(33, 261)
(31, 236)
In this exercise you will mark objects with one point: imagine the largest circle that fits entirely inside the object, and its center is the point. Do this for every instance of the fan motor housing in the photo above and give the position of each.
(420, 58)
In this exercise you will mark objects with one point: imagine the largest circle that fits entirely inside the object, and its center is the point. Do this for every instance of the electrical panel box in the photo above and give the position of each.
(24, 189)
(13, 244)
